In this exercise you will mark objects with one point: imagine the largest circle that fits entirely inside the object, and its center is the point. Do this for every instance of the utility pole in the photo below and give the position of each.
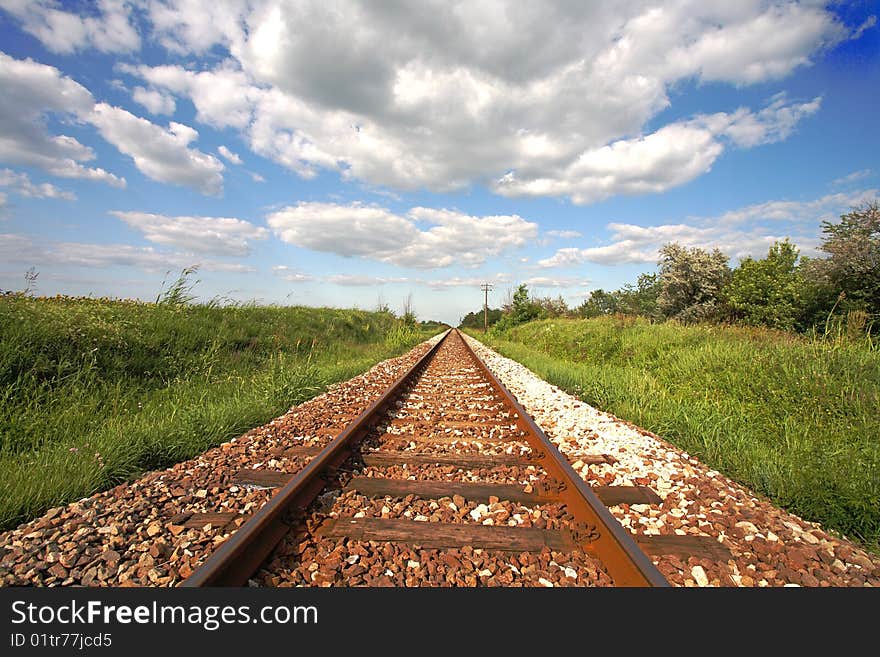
(485, 287)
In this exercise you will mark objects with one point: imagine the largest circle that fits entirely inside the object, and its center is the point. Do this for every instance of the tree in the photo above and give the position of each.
(522, 309)
(767, 291)
(640, 299)
(475, 319)
(551, 307)
(597, 304)
(853, 263)
(690, 282)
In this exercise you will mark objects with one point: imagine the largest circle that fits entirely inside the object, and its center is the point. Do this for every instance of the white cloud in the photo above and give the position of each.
(224, 97)
(738, 233)
(615, 254)
(377, 233)
(564, 234)
(256, 177)
(21, 184)
(228, 154)
(474, 281)
(853, 177)
(194, 26)
(352, 230)
(30, 90)
(362, 280)
(155, 101)
(160, 154)
(742, 43)
(558, 94)
(110, 29)
(214, 235)
(459, 238)
(291, 275)
(671, 156)
(644, 248)
(22, 249)
(771, 124)
(868, 23)
(827, 207)
(546, 281)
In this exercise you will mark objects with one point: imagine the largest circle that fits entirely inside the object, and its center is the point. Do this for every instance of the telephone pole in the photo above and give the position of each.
(485, 287)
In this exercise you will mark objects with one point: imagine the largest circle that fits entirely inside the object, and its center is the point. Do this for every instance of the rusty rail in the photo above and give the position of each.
(241, 555)
(601, 533)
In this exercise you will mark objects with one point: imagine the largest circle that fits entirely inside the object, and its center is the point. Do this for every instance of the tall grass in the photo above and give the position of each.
(94, 392)
(796, 419)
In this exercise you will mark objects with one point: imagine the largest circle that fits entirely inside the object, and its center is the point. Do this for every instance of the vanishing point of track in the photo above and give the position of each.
(401, 472)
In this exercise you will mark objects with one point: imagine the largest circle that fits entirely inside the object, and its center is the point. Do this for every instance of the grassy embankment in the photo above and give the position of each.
(797, 420)
(94, 392)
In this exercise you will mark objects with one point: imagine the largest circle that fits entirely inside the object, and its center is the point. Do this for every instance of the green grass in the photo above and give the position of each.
(94, 392)
(795, 419)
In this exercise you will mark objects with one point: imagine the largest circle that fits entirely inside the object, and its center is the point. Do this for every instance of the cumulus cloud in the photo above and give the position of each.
(459, 238)
(347, 230)
(564, 234)
(30, 91)
(377, 233)
(155, 101)
(224, 97)
(109, 28)
(740, 233)
(21, 184)
(214, 235)
(160, 154)
(543, 99)
(22, 249)
(228, 154)
(771, 124)
(194, 26)
(666, 158)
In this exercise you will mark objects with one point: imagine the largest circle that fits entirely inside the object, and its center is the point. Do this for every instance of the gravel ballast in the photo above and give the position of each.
(768, 545)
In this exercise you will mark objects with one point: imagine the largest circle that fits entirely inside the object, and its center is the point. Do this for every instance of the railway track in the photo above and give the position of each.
(444, 464)
(444, 482)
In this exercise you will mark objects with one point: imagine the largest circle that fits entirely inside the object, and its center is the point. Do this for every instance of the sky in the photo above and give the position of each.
(353, 154)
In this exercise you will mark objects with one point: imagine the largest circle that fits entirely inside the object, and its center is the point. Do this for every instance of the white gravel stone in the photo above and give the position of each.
(699, 575)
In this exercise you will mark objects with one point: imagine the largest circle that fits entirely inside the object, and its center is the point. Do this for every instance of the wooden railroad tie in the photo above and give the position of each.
(381, 487)
(504, 538)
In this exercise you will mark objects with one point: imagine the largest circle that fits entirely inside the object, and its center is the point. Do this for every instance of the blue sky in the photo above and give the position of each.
(326, 153)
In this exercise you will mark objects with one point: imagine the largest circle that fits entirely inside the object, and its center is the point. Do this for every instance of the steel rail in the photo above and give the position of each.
(242, 553)
(606, 538)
